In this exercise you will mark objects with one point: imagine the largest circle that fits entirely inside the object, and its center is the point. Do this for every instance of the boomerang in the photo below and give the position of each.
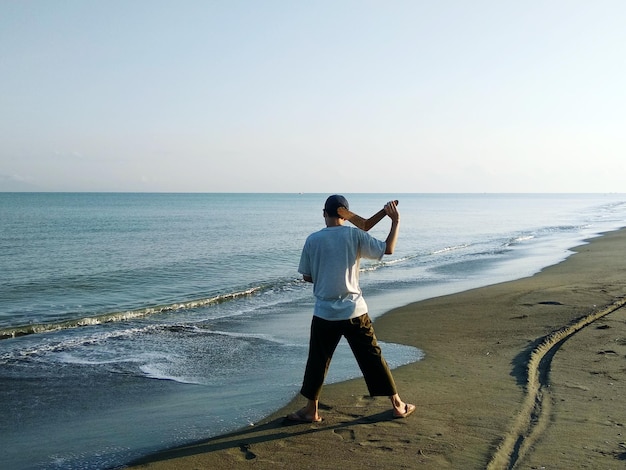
(360, 222)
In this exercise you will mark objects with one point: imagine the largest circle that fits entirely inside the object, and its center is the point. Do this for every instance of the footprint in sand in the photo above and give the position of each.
(378, 444)
(608, 353)
(346, 434)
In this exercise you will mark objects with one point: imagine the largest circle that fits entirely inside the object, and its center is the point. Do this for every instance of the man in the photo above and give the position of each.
(330, 260)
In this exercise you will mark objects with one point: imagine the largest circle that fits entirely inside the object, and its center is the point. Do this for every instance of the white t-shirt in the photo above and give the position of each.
(331, 257)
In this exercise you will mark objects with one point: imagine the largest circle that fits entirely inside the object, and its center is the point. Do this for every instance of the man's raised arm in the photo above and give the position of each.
(391, 209)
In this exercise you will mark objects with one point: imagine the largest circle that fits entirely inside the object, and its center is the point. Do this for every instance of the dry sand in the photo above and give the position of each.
(527, 374)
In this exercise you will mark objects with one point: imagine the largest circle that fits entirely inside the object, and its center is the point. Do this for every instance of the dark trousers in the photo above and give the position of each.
(359, 332)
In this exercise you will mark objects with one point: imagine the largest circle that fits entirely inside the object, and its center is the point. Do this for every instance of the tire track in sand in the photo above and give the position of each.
(534, 415)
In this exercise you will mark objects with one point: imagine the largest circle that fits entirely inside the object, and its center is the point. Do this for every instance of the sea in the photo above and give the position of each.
(130, 323)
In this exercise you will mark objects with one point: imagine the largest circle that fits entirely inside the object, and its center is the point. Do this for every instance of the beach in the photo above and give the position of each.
(522, 374)
(174, 329)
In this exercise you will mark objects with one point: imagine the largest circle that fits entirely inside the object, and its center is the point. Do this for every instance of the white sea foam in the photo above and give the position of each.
(450, 248)
(153, 371)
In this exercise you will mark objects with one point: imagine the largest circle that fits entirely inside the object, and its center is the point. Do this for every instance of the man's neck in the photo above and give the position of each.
(334, 221)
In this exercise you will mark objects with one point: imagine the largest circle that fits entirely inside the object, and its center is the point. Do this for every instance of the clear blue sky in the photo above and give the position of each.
(313, 96)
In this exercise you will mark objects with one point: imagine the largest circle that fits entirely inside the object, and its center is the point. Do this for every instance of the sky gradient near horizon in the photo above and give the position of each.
(320, 96)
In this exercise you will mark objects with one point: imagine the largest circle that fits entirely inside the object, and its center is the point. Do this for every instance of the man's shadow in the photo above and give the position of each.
(280, 428)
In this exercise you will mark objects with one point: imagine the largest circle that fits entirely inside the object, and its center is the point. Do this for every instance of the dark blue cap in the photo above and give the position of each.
(333, 203)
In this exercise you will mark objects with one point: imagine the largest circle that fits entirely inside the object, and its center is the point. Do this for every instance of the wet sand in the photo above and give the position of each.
(526, 374)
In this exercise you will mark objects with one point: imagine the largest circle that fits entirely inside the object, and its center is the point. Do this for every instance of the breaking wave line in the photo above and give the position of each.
(23, 330)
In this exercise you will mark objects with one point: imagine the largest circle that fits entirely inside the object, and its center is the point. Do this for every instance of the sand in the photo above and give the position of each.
(527, 374)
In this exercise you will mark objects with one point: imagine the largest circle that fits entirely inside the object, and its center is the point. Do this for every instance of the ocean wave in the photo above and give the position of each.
(450, 248)
(542, 232)
(63, 346)
(522, 238)
(23, 330)
(374, 266)
(152, 371)
(562, 228)
(64, 350)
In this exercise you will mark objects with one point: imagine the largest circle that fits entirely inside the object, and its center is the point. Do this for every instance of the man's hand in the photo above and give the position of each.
(391, 209)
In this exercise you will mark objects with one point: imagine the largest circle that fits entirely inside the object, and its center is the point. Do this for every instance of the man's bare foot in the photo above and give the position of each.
(301, 416)
(403, 411)
(400, 409)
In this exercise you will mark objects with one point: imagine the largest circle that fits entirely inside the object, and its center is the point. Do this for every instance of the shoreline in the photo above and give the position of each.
(474, 390)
